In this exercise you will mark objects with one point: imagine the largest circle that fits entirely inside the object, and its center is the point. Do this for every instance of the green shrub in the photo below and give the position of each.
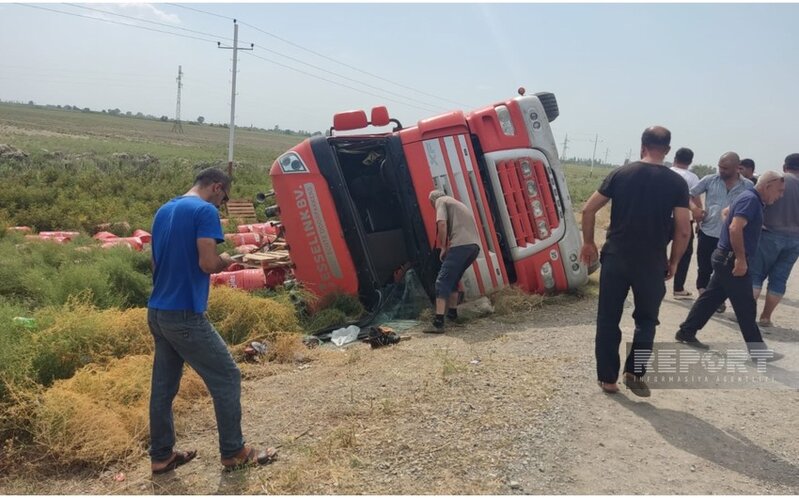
(14, 347)
(77, 334)
(325, 318)
(349, 305)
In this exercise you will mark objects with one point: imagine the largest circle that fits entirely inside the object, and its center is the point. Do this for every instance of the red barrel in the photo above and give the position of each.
(241, 239)
(51, 238)
(241, 279)
(245, 249)
(65, 235)
(20, 229)
(104, 236)
(267, 228)
(275, 277)
(144, 236)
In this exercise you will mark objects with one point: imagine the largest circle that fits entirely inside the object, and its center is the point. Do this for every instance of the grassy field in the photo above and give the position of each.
(38, 131)
(83, 169)
(83, 306)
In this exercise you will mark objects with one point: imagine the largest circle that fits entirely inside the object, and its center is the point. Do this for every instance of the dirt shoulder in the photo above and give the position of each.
(500, 406)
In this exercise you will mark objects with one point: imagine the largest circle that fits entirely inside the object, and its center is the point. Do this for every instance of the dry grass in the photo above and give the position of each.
(239, 316)
(288, 348)
(78, 334)
(100, 415)
(513, 301)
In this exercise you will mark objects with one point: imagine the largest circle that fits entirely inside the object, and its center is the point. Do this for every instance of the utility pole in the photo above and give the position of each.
(563, 151)
(596, 140)
(606, 155)
(235, 49)
(178, 127)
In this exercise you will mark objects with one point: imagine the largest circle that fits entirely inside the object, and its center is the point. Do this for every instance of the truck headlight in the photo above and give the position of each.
(505, 121)
(290, 162)
(543, 231)
(537, 209)
(546, 275)
(526, 169)
(531, 188)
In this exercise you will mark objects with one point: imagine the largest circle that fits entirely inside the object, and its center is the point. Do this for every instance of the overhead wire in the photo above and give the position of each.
(428, 107)
(114, 22)
(146, 20)
(318, 54)
(336, 82)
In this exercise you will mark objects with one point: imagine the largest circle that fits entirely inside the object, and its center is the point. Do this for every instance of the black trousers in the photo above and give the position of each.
(619, 274)
(682, 268)
(705, 245)
(724, 285)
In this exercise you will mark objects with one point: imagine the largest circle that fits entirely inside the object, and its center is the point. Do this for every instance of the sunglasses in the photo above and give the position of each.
(226, 197)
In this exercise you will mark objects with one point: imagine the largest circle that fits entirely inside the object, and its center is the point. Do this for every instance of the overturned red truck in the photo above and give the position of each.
(355, 207)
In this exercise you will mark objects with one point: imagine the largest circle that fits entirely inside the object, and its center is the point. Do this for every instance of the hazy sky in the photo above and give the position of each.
(721, 77)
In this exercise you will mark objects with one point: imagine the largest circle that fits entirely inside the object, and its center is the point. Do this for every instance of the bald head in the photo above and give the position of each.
(728, 165)
(655, 144)
(770, 186)
(435, 195)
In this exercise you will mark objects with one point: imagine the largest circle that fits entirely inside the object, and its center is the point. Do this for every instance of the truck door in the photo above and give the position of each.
(440, 155)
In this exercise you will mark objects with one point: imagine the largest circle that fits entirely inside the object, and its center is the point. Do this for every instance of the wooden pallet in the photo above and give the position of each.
(267, 256)
(242, 210)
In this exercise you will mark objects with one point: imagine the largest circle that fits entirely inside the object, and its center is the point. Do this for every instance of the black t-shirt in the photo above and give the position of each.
(644, 196)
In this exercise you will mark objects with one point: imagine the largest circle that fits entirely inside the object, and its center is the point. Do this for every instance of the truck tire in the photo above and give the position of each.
(550, 104)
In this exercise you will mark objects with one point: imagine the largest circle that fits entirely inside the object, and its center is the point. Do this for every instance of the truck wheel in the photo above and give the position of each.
(550, 104)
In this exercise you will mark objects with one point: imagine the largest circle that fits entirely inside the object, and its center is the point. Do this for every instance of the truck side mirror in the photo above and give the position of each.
(350, 120)
(380, 116)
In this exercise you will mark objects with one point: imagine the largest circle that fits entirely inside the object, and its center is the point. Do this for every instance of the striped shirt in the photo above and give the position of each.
(717, 197)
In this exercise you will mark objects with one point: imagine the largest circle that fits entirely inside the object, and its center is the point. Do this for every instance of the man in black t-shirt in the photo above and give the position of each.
(648, 200)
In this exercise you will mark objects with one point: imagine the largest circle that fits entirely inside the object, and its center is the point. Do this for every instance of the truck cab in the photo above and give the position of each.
(355, 209)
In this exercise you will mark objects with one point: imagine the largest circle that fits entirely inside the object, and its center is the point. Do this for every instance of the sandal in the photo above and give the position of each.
(177, 459)
(608, 387)
(249, 457)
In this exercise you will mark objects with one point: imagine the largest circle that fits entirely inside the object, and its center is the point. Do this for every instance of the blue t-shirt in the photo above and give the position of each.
(178, 281)
(748, 205)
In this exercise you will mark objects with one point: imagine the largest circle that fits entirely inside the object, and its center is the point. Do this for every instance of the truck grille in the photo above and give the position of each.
(529, 199)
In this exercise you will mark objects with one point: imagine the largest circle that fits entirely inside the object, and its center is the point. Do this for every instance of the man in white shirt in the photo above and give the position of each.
(682, 160)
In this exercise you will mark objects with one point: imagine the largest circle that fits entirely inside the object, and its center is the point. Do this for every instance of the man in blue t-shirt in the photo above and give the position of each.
(731, 279)
(185, 233)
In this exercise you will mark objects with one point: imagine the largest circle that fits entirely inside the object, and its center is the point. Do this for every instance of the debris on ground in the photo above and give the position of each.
(262, 261)
(345, 335)
(381, 336)
(9, 152)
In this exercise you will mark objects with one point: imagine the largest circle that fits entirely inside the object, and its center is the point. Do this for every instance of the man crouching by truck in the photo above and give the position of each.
(456, 236)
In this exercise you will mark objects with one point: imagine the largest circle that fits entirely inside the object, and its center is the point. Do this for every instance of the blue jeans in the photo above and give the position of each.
(457, 260)
(774, 260)
(185, 336)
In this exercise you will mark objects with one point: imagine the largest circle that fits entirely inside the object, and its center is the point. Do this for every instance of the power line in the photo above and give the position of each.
(200, 11)
(348, 78)
(114, 22)
(178, 126)
(235, 49)
(318, 54)
(431, 107)
(145, 20)
(338, 83)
